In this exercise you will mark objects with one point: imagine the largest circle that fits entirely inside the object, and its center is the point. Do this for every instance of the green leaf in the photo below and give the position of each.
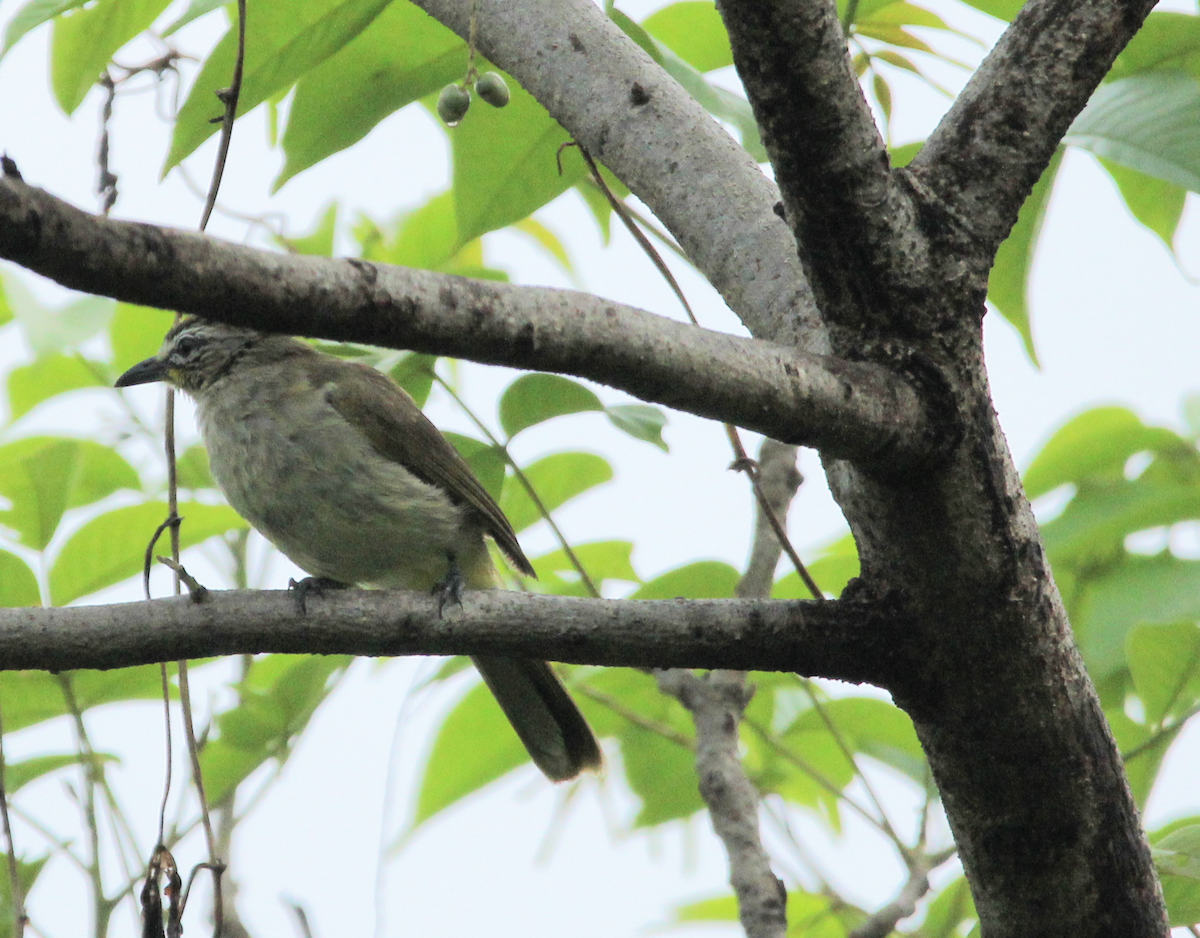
(32, 15)
(640, 421)
(833, 568)
(1158, 589)
(54, 331)
(901, 13)
(44, 476)
(1166, 42)
(1164, 661)
(704, 579)
(401, 57)
(547, 240)
(18, 774)
(1156, 204)
(29, 385)
(18, 584)
(486, 461)
(1177, 857)
(1097, 520)
(1001, 9)
(1149, 122)
(415, 373)
(903, 154)
(662, 774)
(30, 697)
(111, 547)
(660, 770)
(872, 727)
(27, 874)
(426, 238)
(195, 10)
(191, 468)
(85, 41)
(1096, 443)
(284, 40)
(319, 241)
(1008, 285)
(136, 334)
(474, 746)
(952, 907)
(506, 164)
(603, 560)
(277, 698)
(808, 915)
(557, 479)
(694, 31)
(534, 398)
(895, 35)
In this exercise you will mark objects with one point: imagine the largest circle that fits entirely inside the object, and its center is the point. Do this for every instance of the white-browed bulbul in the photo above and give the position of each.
(337, 466)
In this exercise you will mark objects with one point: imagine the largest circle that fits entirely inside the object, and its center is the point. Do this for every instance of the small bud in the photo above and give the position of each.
(452, 104)
(491, 87)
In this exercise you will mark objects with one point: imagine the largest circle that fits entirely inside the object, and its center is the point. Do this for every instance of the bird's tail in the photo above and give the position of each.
(542, 712)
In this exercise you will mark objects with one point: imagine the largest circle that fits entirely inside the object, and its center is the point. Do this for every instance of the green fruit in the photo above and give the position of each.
(452, 104)
(492, 89)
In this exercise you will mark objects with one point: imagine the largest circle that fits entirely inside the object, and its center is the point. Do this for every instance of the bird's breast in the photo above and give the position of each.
(315, 487)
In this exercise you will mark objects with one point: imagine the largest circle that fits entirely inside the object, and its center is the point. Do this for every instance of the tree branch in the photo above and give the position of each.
(855, 225)
(780, 480)
(883, 922)
(832, 639)
(993, 144)
(633, 117)
(717, 701)
(846, 409)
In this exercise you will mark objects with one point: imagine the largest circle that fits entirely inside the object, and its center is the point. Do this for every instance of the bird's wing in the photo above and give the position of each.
(392, 421)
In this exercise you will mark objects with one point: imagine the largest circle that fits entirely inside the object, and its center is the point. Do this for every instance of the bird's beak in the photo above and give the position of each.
(152, 369)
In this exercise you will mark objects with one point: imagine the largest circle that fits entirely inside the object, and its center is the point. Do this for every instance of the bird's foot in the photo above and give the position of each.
(312, 586)
(450, 590)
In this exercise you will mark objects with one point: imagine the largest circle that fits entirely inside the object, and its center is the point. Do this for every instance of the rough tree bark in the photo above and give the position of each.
(873, 289)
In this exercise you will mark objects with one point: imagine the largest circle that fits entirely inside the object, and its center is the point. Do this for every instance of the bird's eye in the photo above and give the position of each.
(185, 346)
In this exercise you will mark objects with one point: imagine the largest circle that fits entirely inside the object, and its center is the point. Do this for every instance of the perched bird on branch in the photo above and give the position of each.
(336, 465)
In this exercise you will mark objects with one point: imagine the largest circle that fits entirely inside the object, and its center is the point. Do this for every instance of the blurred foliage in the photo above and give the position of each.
(76, 511)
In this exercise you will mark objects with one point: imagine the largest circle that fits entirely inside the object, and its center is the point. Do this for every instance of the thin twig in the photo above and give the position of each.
(620, 709)
(106, 183)
(1157, 737)
(229, 97)
(196, 590)
(102, 908)
(14, 871)
(780, 481)
(882, 923)
(166, 698)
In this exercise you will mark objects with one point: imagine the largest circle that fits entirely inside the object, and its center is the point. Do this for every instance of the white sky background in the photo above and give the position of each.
(1114, 320)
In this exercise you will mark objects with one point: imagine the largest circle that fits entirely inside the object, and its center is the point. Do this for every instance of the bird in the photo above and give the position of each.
(337, 466)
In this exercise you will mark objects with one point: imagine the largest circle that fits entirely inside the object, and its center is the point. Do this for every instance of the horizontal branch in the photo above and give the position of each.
(844, 409)
(990, 148)
(827, 638)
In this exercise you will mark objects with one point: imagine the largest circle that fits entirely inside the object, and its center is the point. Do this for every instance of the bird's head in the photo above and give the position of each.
(195, 354)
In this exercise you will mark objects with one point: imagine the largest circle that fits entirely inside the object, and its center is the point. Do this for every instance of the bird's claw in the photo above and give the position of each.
(312, 585)
(450, 590)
